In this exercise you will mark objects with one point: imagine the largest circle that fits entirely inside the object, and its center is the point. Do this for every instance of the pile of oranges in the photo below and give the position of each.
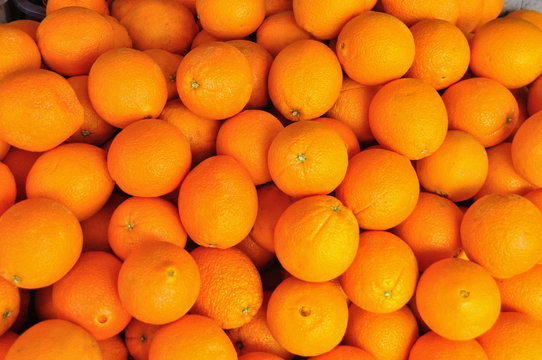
(271, 179)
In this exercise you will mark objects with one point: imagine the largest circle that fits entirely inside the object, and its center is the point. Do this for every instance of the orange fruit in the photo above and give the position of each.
(408, 116)
(232, 20)
(491, 9)
(259, 256)
(126, 85)
(483, 108)
(119, 8)
(10, 303)
(305, 80)
(320, 255)
(470, 13)
(275, 6)
(514, 336)
(8, 192)
(214, 80)
(218, 202)
(73, 174)
(169, 63)
(21, 321)
(521, 293)
(380, 187)
(280, 30)
(534, 97)
(352, 108)
(113, 348)
(47, 111)
(512, 46)
(121, 38)
(527, 149)
(433, 346)
(87, 295)
(442, 53)
(247, 137)
(231, 288)
(41, 241)
(43, 303)
(138, 337)
(457, 170)
(432, 229)
(375, 48)
(494, 226)
(19, 50)
(532, 16)
(259, 356)
(345, 132)
(521, 97)
(383, 275)
(307, 319)
(458, 299)
(202, 37)
(344, 352)
(385, 336)
(535, 196)
(307, 158)
(324, 20)
(6, 341)
(4, 149)
(96, 5)
(158, 282)
(183, 339)
(72, 38)
(28, 26)
(412, 11)
(54, 339)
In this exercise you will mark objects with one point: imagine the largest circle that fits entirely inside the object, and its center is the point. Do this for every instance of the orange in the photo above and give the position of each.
(87, 295)
(470, 13)
(521, 95)
(458, 299)
(28, 26)
(247, 137)
(345, 132)
(280, 30)
(47, 111)
(259, 60)
(506, 50)
(231, 288)
(534, 97)
(457, 170)
(234, 19)
(202, 37)
(121, 38)
(218, 202)
(275, 6)
(41, 241)
(494, 226)
(491, 9)
(97, 5)
(259, 256)
(259, 356)
(352, 108)
(408, 116)
(160, 24)
(54, 339)
(521, 293)
(324, 20)
(4, 149)
(380, 187)
(200, 132)
(305, 80)
(535, 196)
(527, 149)
(374, 48)
(6, 341)
(442, 53)
(531, 16)
(385, 336)
(307, 319)
(113, 348)
(383, 275)
(149, 158)
(8, 192)
(483, 108)
(126, 85)
(72, 38)
(169, 63)
(215, 80)
(137, 220)
(138, 337)
(412, 11)
(75, 175)
(344, 352)
(158, 282)
(21, 321)
(10, 303)
(192, 337)
(433, 346)
(19, 50)
(95, 130)
(316, 238)
(307, 158)
(514, 336)
(119, 8)
(43, 303)
(432, 229)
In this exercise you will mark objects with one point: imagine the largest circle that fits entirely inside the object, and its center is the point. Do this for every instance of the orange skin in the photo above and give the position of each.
(275, 6)
(121, 38)
(307, 158)
(96, 5)
(345, 352)
(6, 341)
(4, 149)
(521, 97)
(412, 11)
(206, 71)
(190, 4)
(259, 356)
(521, 293)
(442, 53)
(535, 196)
(8, 193)
(247, 137)
(60, 114)
(22, 319)
(201, 38)
(28, 26)
(345, 132)
(158, 282)
(280, 30)
(408, 116)
(230, 199)
(433, 346)
(43, 303)
(19, 50)
(231, 288)
(158, 24)
(380, 187)
(52, 340)
(534, 97)
(322, 255)
(119, 8)
(259, 256)
(192, 337)
(10, 303)
(531, 16)
(305, 80)
(114, 94)
(87, 296)
(113, 348)
(73, 174)
(169, 63)
(458, 299)
(470, 13)
(491, 9)
(138, 337)
(527, 150)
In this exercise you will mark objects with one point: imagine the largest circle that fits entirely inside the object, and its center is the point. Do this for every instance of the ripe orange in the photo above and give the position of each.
(121, 38)
(275, 6)
(534, 97)
(280, 30)
(259, 356)
(412, 11)
(6, 341)
(521, 293)
(96, 5)
(433, 346)
(259, 256)
(491, 9)
(21, 321)
(345, 352)
(531, 16)
(19, 50)
(169, 63)
(535, 196)
(521, 95)
(28, 26)
(470, 13)
(119, 8)
(201, 38)
(345, 132)
(527, 149)
(8, 192)
(10, 303)
(43, 303)
(234, 19)
(113, 348)
(138, 337)
(4, 149)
